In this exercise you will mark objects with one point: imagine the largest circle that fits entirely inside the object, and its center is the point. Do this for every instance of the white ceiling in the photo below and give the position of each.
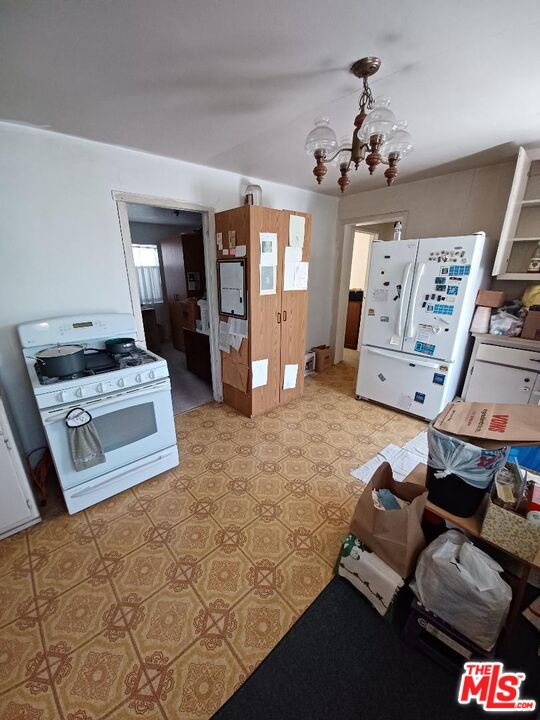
(235, 84)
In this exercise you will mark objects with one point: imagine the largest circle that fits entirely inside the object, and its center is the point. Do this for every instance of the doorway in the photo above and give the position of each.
(358, 237)
(171, 291)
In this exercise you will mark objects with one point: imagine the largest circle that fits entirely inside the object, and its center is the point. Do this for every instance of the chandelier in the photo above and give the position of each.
(377, 133)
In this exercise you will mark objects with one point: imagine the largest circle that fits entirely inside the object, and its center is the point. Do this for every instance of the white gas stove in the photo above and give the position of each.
(127, 395)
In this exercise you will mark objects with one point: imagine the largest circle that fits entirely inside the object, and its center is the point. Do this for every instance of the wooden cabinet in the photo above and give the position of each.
(520, 233)
(503, 370)
(276, 322)
(18, 508)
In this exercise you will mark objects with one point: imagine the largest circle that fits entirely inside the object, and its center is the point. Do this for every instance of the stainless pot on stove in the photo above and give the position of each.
(61, 360)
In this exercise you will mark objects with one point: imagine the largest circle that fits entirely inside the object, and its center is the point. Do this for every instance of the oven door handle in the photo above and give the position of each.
(88, 490)
(98, 403)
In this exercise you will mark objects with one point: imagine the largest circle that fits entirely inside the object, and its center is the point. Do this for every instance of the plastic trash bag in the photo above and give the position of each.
(503, 323)
(462, 585)
(475, 465)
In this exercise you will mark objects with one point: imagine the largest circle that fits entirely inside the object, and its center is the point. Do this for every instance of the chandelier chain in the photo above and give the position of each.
(366, 98)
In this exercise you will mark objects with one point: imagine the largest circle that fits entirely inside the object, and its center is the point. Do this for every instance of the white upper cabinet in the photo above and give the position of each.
(520, 233)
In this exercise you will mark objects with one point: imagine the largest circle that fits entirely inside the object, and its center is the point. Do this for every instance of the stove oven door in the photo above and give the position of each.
(131, 425)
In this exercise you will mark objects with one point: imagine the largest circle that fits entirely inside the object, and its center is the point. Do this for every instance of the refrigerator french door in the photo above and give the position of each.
(446, 279)
(390, 280)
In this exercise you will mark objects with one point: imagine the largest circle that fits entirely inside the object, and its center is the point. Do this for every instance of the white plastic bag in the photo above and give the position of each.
(451, 455)
(462, 585)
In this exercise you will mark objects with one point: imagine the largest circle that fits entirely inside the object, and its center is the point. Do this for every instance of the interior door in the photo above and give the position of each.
(293, 320)
(386, 301)
(500, 383)
(438, 296)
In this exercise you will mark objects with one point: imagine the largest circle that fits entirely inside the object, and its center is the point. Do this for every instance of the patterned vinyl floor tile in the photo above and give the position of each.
(158, 603)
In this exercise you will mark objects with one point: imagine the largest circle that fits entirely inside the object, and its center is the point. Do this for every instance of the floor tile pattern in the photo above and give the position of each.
(160, 602)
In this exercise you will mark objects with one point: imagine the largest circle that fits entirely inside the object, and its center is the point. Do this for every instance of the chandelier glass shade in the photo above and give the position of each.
(378, 138)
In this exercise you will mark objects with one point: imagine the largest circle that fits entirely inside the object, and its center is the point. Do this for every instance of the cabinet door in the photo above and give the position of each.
(14, 509)
(293, 315)
(500, 384)
(264, 310)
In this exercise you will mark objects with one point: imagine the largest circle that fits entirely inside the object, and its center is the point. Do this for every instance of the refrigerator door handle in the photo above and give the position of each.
(404, 282)
(433, 364)
(416, 288)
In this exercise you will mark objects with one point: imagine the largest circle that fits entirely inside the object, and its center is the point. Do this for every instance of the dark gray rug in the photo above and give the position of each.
(342, 661)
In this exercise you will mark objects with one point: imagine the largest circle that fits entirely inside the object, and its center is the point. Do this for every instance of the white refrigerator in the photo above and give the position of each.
(417, 309)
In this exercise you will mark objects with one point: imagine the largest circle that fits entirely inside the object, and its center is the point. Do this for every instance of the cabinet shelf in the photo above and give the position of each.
(533, 277)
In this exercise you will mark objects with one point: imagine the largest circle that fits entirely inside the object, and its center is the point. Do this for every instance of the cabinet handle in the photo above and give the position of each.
(279, 317)
(284, 316)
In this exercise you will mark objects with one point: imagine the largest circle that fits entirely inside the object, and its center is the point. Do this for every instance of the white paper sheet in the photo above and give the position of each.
(301, 276)
(269, 242)
(219, 240)
(289, 376)
(293, 255)
(419, 446)
(235, 340)
(297, 229)
(259, 373)
(224, 338)
(240, 251)
(231, 277)
(401, 461)
(232, 238)
(268, 279)
(238, 326)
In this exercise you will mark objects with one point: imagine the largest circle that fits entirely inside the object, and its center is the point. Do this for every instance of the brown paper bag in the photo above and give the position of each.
(394, 535)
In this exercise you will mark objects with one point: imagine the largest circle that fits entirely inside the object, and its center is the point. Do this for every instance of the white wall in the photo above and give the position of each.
(455, 204)
(61, 251)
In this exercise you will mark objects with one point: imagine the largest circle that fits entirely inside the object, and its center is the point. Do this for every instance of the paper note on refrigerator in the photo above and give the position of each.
(259, 373)
(297, 229)
(293, 255)
(269, 243)
(289, 377)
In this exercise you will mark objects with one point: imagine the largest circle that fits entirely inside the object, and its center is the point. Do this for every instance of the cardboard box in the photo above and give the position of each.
(491, 425)
(323, 357)
(531, 326)
(509, 530)
(490, 298)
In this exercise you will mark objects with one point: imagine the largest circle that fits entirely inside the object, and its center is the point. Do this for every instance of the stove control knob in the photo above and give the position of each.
(138, 378)
(99, 387)
(79, 392)
(151, 375)
(120, 382)
(60, 396)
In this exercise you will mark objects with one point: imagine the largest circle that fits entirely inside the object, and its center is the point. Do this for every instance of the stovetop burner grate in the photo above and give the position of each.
(100, 361)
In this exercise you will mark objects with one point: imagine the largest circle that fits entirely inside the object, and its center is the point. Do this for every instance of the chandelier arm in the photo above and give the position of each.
(328, 160)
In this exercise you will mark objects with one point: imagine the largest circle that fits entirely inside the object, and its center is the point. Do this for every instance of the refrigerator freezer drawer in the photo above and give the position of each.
(406, 382)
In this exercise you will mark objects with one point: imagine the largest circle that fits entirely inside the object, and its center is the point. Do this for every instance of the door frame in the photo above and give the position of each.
(210, 259)
(346, 228)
